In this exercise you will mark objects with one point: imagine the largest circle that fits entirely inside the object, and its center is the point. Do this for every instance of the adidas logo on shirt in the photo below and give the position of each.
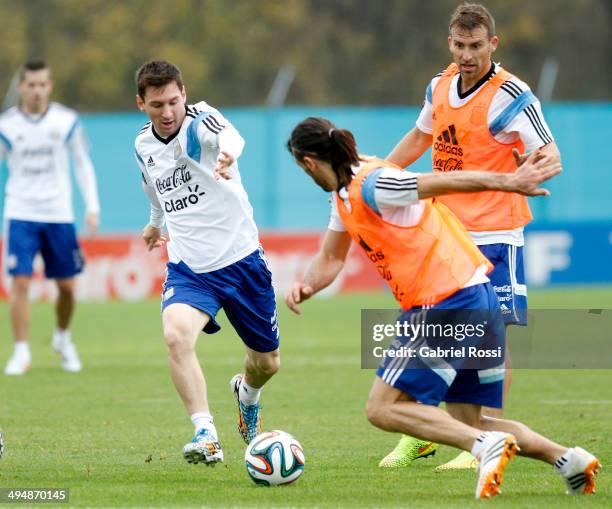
(447, 142)
(150, 162)
(447, 151)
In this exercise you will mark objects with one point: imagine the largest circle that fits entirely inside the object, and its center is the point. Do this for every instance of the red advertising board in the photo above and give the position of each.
(120, 267)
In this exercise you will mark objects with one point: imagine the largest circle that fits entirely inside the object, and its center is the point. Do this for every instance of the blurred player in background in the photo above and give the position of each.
(38, 139)
(474, 114)
(187, 156)
(429, 262)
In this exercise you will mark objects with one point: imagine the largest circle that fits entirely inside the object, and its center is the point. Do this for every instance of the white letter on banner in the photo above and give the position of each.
(545, 252)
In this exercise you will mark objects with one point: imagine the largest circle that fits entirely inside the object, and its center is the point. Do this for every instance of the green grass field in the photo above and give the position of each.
(113, 433)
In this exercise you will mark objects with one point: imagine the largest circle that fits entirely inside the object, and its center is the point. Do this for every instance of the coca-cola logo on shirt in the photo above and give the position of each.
(180, 176)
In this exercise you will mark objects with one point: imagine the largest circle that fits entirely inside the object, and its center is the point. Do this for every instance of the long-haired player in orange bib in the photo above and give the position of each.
(431, 265)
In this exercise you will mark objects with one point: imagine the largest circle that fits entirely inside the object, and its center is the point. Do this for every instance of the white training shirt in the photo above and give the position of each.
(527, 124)
(38, 149)
(393, 195)
(210, 222)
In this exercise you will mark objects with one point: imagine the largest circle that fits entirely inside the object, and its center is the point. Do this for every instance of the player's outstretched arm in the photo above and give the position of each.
(538, 168)
(323, 269)
(410, 148)
(535, 169)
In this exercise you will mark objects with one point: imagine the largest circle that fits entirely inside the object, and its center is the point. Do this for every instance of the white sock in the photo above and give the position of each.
(479, 444)
(203, 420)
(22, 348)
(62, 336)
(247, 394)
(563, 462)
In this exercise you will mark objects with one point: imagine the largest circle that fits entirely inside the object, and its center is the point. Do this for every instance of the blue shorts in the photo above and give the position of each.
(508, 280)
(243, 289)
(431, 379)
(56, 242)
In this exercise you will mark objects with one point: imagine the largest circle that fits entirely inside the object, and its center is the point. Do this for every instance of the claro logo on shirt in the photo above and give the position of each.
(447, 151)
(178, 204)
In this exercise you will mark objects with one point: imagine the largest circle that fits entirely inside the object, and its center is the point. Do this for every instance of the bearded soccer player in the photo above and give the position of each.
(475, 112)
(38, 139)
(187, 156)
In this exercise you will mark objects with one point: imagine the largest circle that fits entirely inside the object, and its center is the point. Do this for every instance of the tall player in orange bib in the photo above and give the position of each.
(433, 268)
(474, 114)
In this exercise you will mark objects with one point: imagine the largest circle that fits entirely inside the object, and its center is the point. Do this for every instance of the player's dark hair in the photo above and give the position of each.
(32, 65)
(470, 16)
(157, 73)
(319, 138)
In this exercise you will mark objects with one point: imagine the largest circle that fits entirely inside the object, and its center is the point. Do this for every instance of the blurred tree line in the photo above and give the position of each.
(342, 51)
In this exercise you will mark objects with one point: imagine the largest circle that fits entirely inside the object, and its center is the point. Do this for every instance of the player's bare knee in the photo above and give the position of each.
(66, 289)
(177, 339)
(271, 367)
(269, 364)
(375, 412)
(20, 285)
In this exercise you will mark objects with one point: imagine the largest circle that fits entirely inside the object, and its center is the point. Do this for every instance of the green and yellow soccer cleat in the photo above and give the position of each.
(406, 451)
(465, 461)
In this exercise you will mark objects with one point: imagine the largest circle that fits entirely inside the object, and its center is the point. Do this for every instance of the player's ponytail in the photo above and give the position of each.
(343, 155)
(320, 139)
